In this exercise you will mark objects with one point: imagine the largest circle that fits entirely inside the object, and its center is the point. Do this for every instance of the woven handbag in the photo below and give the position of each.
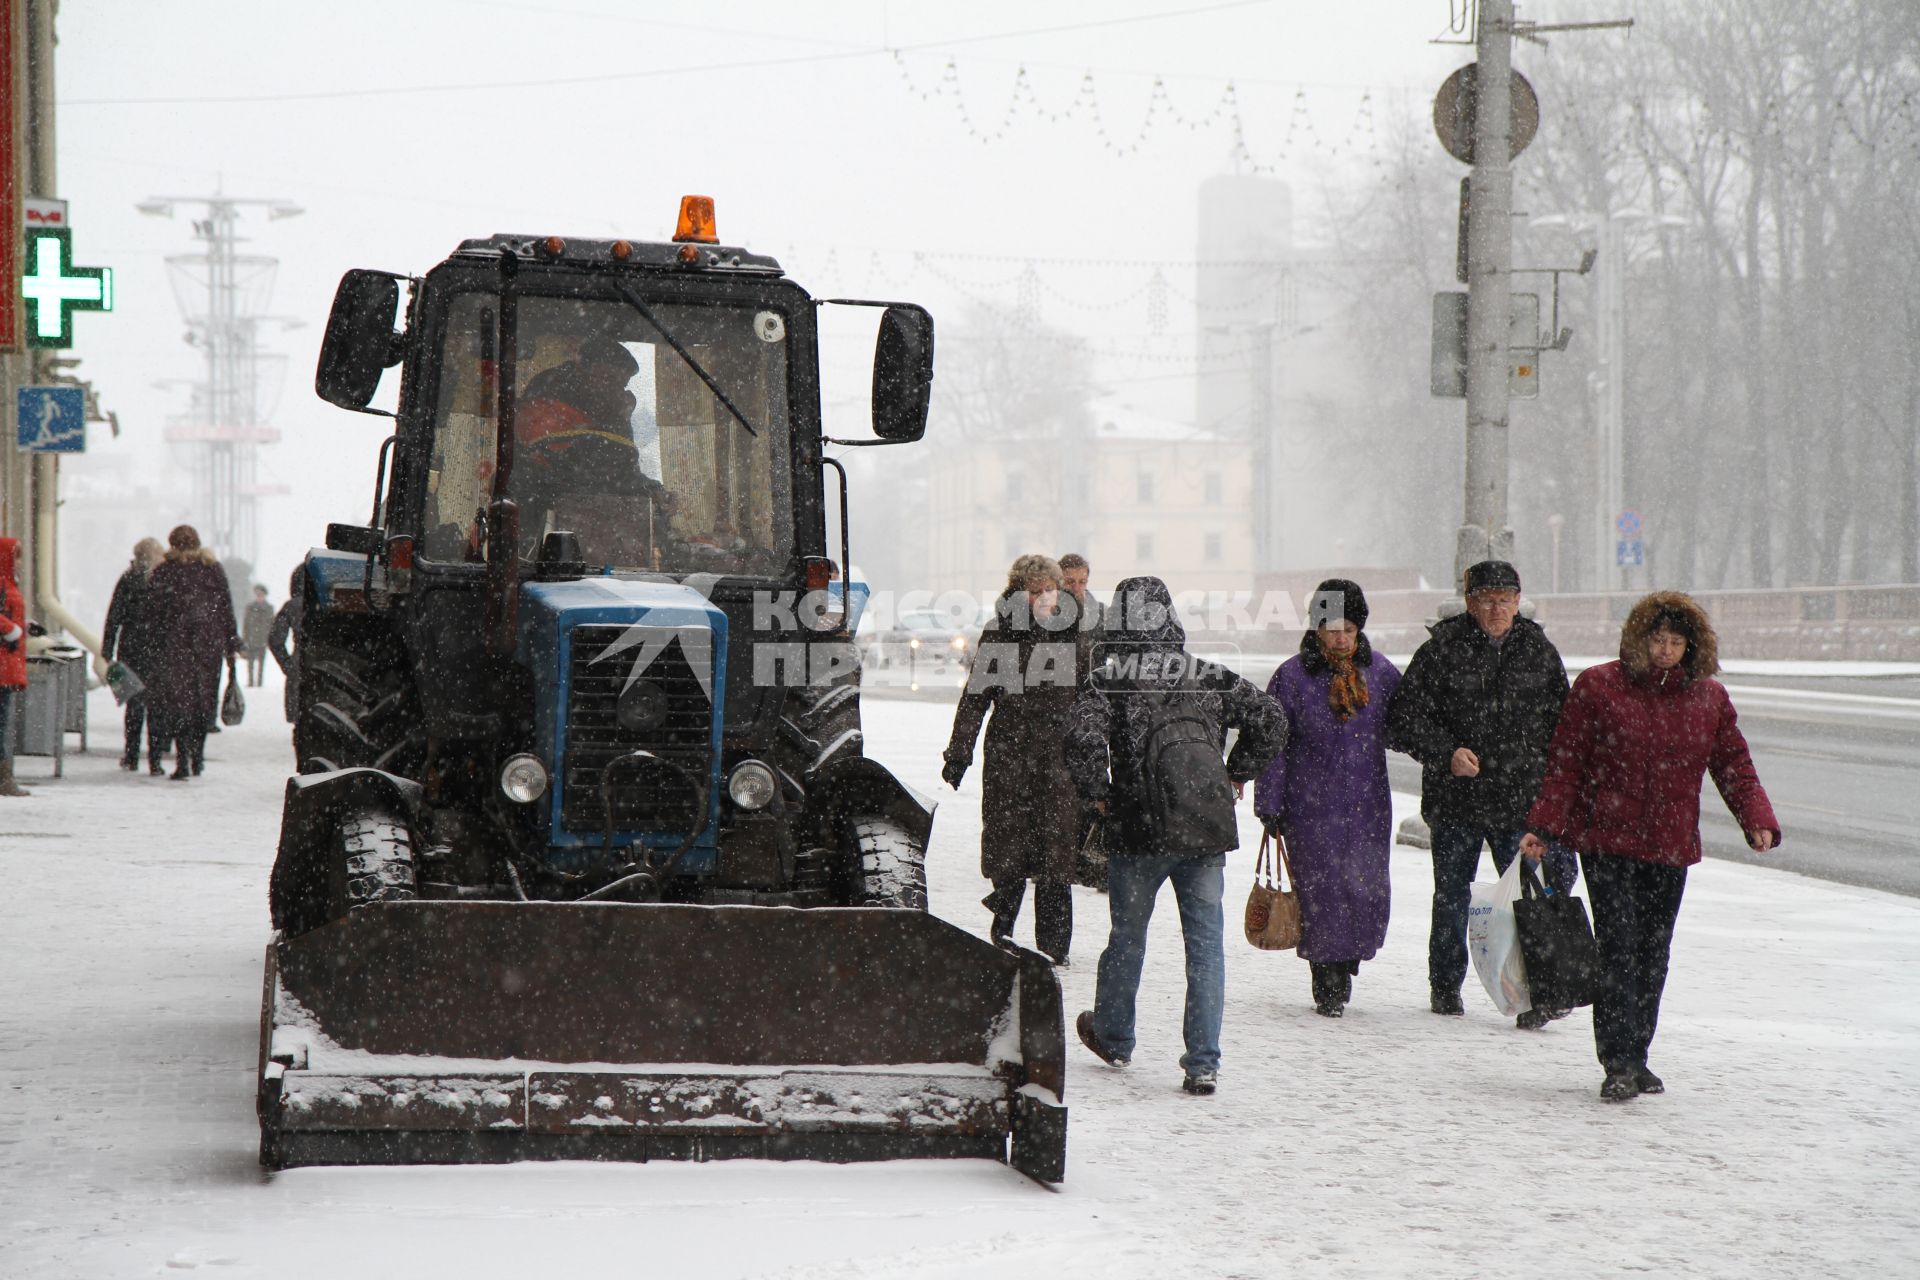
(1273, 911)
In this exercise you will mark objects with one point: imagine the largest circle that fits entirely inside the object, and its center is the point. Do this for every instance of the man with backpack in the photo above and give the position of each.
(1144, 746)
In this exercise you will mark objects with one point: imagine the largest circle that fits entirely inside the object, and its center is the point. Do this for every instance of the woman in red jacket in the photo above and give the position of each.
(1623, 787)
(13, 660)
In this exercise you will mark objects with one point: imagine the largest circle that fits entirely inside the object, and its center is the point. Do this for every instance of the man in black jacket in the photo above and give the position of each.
(1144, 740)
(1477, 709)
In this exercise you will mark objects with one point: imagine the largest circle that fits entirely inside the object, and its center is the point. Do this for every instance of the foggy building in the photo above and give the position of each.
(1138, 495)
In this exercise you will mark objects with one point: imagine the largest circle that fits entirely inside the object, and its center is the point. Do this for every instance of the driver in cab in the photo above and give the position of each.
(576, 465)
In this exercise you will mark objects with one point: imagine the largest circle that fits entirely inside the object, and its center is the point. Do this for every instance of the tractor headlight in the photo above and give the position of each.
(751, 785)
(523, 779)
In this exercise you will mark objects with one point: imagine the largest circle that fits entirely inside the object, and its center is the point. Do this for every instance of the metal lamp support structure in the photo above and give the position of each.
(224, 428)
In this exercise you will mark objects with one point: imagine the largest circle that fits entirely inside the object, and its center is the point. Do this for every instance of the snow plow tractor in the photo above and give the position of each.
(584, 858)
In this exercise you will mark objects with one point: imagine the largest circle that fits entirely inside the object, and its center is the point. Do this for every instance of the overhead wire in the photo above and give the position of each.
(753, 64)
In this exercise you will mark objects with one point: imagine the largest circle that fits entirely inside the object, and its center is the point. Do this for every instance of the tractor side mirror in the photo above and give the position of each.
(902, 373)
(359, 343)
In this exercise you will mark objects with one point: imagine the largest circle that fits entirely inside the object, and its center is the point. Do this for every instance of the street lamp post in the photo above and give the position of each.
(1611, 382)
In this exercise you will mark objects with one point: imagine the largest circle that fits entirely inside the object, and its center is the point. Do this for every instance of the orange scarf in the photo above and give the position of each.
(1348, 691)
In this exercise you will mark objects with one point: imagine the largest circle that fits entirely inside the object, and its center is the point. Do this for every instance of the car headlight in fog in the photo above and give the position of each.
(959, 642)
(751, 785)
(523, 779)
(914, 643)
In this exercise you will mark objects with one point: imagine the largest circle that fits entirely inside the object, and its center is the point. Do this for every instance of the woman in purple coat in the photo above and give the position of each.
(1327, 796)
(190, 612)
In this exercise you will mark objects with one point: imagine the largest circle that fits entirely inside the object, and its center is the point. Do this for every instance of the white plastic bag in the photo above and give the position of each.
(1494, 941)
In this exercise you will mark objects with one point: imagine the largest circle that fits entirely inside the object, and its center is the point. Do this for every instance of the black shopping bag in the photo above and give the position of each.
(1556, 942)
(233, 707)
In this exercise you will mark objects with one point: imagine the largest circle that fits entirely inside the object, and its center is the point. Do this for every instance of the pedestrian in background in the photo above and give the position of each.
(1477, 710)
(1145, 747)
(1089, 857)
(1326, 795)
(192, 614)
(128, 639)
(1026, 668)
(254, 630)
(281, 639)
(1623, 787)
(13, 660)
(1074, 574)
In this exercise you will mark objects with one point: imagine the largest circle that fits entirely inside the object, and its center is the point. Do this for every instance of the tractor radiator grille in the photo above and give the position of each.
(596, 737)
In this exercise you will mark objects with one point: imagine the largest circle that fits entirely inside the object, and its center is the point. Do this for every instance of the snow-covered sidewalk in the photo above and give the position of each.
(1389, 1143)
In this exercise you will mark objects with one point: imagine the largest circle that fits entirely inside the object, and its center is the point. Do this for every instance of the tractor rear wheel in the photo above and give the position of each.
(354, 710)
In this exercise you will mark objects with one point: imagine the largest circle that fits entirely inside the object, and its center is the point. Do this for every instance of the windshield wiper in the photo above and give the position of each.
(635, 301)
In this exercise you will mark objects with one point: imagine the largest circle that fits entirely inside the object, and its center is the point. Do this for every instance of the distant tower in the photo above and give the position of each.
(223, 294)
(1245, 299)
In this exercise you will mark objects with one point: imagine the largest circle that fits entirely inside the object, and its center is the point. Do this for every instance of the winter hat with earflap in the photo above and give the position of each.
(1337, 600)
(1492, 575)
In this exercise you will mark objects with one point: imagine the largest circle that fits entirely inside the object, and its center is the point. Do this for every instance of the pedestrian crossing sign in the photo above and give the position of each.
(51, 420)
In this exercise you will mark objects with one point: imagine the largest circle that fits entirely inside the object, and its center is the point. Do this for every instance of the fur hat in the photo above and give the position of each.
(1670, 611)
(1337, 600)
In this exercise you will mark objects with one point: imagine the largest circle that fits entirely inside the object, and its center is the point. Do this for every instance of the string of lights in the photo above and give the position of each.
(1160, 114)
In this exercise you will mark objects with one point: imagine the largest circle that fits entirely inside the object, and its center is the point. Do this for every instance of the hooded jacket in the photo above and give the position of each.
(13, 620)
(1141, 648)
(1627, 758)
(1499, 701)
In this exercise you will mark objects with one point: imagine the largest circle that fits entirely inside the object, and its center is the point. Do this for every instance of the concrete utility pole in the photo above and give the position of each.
(1484, 535)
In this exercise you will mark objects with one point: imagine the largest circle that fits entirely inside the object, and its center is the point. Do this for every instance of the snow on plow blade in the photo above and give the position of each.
(479, 1032)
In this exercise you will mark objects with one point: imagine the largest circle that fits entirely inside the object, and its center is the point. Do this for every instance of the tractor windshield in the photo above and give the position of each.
(618, 439)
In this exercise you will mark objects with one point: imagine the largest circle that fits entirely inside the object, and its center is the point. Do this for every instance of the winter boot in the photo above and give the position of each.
(1620, 1086)
(8, 787)
(1004, 902)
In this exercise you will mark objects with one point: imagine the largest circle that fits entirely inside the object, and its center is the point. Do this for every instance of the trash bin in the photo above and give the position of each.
(73, 690)
(39, 711)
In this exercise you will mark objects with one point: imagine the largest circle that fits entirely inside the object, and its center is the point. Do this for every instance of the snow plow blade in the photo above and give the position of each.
(485, 1032)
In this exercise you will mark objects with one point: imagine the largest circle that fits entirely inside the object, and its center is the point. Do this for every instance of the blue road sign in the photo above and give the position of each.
(1629, 553)
(1628, 523)
(52, 420)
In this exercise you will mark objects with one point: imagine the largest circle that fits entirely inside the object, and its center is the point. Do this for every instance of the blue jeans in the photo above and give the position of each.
(1133, 881)
(1456, 859)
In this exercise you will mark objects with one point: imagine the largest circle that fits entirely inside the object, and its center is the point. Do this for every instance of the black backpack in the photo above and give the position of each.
(1185, 798)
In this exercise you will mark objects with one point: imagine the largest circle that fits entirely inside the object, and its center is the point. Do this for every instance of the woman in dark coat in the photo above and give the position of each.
(1623, 787)
(128, 639)
(191, 613)
(1027, 669)
(1326, 795)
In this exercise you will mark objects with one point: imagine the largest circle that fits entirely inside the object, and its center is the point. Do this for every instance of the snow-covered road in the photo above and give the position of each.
(1389, 1143)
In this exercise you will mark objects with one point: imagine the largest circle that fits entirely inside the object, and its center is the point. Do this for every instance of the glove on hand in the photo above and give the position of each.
(952, 772)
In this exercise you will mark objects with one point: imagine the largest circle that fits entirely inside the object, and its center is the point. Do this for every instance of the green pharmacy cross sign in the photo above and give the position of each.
(54, 288)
